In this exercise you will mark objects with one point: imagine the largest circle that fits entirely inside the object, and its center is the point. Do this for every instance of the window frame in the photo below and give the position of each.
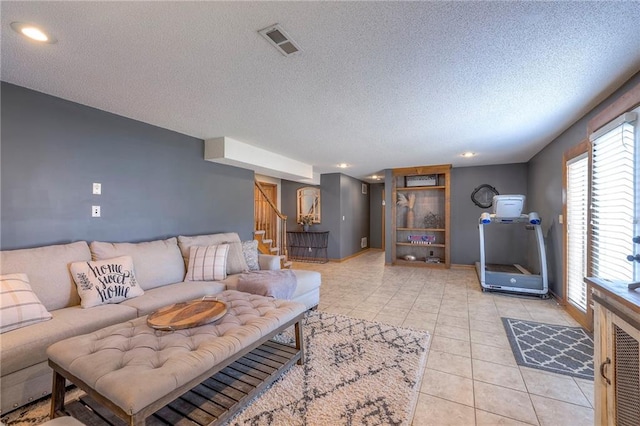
(616, 123)
(625, 103)
(583, 318)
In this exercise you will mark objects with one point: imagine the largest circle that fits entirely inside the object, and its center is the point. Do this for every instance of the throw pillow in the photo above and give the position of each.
(105, 281)
(235, 260)
(19, 305)
(157, 262)
(250, 252)
(207, 263)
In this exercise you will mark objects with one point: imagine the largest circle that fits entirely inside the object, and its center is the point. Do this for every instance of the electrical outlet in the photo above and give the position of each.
(95, 211)
(97, 188)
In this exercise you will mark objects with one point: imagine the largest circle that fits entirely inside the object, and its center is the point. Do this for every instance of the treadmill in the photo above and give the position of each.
(512, 278)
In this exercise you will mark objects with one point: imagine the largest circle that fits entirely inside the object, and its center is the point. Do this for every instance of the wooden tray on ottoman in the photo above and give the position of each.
(187, 314)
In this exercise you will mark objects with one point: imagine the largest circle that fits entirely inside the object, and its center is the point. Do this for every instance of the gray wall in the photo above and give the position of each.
(331, 212)
(155, 182)
(342, 198)
(354, 211)
(504, 244)
(545, 186)
(375, 207)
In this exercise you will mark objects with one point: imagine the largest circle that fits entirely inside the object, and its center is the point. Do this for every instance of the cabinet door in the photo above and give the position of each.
(624, 395)
(602, 359)
(617, 365)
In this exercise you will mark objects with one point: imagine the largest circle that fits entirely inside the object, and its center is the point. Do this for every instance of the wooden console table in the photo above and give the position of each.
(310, 246)
(617, 336)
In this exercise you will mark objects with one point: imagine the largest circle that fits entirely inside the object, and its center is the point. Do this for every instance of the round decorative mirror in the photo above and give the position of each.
(482, 196)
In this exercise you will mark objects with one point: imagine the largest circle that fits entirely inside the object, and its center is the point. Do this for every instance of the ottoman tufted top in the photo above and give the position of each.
(133, 365)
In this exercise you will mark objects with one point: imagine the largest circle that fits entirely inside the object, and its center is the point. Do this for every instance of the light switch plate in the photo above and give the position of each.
(97, 188)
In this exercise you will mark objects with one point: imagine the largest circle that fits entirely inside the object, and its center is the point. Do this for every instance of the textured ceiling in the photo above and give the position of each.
(378, 84)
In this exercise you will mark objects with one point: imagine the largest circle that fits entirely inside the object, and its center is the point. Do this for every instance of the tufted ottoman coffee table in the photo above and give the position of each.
(135, 371)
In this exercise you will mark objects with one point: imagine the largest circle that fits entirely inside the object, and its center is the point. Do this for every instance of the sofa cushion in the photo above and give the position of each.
(207, 263)
(235, 260)
(250, 253)
(106, 281)
(27, 346)
(156, 263)
(48, 271)
(157, 298)
(19, 305)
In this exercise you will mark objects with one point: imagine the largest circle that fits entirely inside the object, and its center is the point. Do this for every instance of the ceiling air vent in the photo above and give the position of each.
(280, 40)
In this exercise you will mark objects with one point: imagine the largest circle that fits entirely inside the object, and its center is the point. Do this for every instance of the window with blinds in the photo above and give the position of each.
(576, 223)
(614, 199)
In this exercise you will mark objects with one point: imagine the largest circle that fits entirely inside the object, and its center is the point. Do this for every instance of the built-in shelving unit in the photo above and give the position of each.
(420, 216)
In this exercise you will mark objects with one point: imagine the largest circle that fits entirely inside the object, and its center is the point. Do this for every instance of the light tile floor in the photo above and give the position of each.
(471, 377)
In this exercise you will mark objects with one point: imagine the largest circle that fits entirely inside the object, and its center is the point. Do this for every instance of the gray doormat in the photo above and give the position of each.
(555, 348)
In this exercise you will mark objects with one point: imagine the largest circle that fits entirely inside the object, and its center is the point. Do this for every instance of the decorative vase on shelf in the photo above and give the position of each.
(410, 218)
(411, 200)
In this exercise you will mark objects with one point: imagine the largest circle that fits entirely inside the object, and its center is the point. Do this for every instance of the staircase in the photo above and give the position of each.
(265, 246)
(270, 227)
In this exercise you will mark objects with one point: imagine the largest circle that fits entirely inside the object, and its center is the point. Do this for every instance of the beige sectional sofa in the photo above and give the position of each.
(160, 271)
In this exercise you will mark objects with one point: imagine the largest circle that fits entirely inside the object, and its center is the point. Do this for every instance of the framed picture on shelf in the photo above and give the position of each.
(423, 180)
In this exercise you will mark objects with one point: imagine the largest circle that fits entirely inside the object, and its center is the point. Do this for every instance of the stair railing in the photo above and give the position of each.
(269, 219)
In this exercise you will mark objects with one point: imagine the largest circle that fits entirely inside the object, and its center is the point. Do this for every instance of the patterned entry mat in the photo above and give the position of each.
(555, 348)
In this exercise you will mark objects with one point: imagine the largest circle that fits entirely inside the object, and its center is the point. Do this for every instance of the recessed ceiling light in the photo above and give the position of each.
(343, 165)
(32, 32)
(468, 154)
(376, 177)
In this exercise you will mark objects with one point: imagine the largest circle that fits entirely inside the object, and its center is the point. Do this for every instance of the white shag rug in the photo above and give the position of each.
(356, 372)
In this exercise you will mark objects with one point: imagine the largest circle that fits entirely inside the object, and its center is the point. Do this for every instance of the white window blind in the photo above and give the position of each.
(576, 222)
(613, 200)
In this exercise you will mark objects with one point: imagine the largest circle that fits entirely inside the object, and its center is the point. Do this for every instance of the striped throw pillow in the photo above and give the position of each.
(19, 305)
(207, 263)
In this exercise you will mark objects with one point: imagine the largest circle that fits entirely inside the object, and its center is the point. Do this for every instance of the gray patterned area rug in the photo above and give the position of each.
(555, 348)
(356, 372)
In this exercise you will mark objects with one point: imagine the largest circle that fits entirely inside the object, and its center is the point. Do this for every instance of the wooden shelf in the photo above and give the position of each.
(422, 229)
(420, 245)
(419, 263)
(420, 188)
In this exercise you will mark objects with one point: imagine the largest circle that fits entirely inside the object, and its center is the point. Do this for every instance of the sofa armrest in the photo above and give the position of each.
(268, 261)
